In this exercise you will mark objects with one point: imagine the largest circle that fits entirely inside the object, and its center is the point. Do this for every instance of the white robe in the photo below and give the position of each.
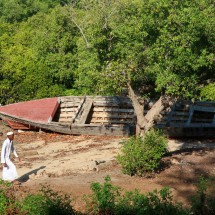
(9, 173)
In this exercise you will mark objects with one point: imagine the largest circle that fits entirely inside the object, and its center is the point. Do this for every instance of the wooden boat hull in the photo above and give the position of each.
(106, 115)
(75, 129)
(73, 115)
(190, 119)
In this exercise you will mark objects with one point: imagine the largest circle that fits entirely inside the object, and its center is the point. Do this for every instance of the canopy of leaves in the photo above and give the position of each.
(52, 48)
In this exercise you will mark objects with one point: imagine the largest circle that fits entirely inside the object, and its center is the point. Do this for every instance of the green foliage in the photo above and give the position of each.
(153, 203)
(48, 202)
(208, 92)
(103, 199)
(97, 47)
(9, 203)
(35, 204)
(140, 156)
(107, 199)
(45, 202)
(40, 62)
(19, 10)
(203, 202)
(166, 44)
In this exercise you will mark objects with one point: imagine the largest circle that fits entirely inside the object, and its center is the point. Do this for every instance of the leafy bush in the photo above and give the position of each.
(35, 204)
(203, 202)
(107, 199)
(142, 155)
(208, 92)
(8, 201)
(103, 199)
(48, 202)
(153, 203)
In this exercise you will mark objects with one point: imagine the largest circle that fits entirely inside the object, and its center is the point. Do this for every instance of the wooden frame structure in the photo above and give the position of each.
(187, 119)
(99, 115)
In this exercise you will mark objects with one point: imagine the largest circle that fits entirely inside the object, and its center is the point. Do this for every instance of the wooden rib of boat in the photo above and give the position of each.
(100, 115)
(189, 119)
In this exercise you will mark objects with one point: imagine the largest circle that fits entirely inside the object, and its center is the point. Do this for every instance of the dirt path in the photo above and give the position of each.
(71, 163)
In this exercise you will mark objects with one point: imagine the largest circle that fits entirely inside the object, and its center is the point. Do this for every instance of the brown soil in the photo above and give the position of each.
(71, 163)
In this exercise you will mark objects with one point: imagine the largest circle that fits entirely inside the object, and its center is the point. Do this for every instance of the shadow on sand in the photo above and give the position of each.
(25, 177)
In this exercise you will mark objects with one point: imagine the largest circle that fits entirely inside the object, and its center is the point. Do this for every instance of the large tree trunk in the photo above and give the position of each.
(144, 122)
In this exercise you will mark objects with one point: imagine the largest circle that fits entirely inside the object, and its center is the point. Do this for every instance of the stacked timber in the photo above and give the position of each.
(112, 110)
(99, 110)
(187, 119)
(104, 115)
(68, 109)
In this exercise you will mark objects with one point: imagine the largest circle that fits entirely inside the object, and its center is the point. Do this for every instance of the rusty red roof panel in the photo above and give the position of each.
(41, 110)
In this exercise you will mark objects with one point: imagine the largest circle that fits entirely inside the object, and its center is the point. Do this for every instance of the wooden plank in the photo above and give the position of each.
(178, 118)
(70, 99)
(66, 115)
(66, 109)
(78, 109)
(170, 114)
(112, 115)
(203, 109)
(110, 109)
(112, 98)
(86, 110)
(111, 130)
(179, 113)
(65, 120)
(205, 104)
(111, 121)
(70, 104)
(112, 104)
(202, 120)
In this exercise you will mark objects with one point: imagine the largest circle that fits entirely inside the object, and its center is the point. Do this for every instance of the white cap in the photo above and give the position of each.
(9, 133)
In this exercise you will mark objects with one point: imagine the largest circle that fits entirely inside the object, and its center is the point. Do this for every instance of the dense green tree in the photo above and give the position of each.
(168, 45)
(40, 59)
(50, 48)
(19, 10)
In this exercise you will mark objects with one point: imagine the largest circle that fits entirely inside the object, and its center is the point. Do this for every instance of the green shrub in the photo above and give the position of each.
(153, 203)
(8, 200)
(35, 204)
(108, 199)
(102, 201)
(48, 202)
(208, 92)
(203, 202)
(142, 155)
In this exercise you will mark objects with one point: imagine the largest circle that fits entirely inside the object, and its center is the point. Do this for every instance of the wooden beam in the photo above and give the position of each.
(86, 110)
(70, 104)
(71, 98)
(203, 109)
(111, 121)
(111, 109)
(109, 130)
(113, 115)
(112, 104)
(78, 109)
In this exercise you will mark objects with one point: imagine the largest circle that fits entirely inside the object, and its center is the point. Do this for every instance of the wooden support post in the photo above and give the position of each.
(78, 109)
(86, 110)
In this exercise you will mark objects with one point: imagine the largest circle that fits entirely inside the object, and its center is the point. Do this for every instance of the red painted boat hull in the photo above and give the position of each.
(41, 110)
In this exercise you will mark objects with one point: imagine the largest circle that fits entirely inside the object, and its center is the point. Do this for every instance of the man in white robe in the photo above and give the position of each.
(9, 172)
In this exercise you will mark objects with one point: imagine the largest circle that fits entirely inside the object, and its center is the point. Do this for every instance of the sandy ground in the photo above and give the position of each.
(71, 163)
